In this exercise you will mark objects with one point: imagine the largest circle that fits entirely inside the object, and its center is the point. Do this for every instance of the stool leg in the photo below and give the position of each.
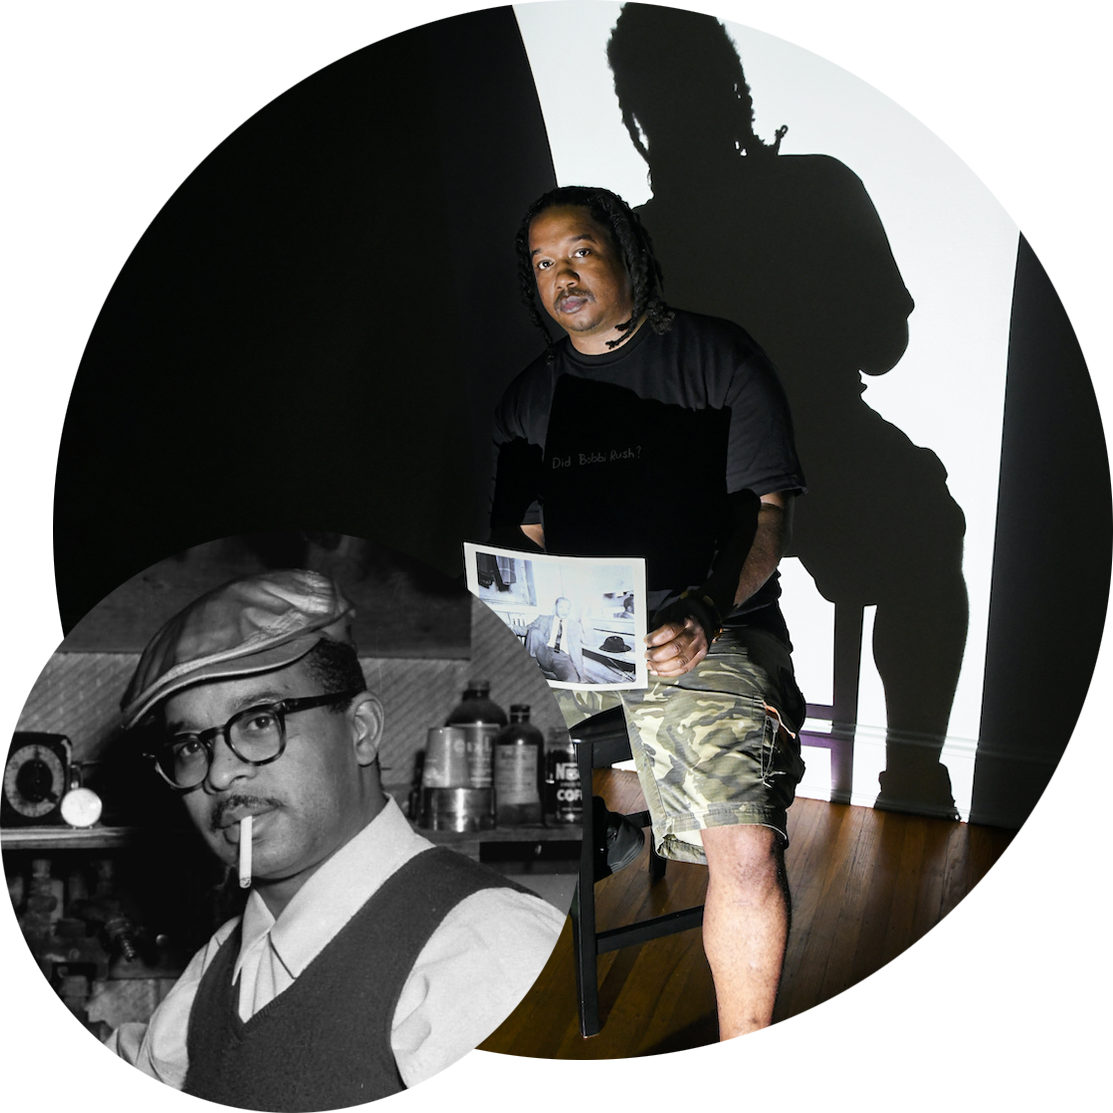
(842, 764)
(584, 943)
(656, 862)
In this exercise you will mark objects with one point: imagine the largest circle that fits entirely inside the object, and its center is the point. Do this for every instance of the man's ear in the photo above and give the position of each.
(367, 719)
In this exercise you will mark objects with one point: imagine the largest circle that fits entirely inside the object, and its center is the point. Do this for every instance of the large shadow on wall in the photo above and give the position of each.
(314, 331)
(791, 248)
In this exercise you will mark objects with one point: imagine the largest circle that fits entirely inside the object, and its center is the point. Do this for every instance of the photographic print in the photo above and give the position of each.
(582, 619)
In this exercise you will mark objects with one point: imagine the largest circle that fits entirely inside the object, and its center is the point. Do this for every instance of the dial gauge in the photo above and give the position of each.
(35, 779)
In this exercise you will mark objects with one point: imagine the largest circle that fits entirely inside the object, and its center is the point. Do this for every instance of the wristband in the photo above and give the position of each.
(705, 612)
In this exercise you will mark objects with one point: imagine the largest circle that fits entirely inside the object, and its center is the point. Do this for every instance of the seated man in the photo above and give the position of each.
(707, 470)
(366, 959)
(556, 641)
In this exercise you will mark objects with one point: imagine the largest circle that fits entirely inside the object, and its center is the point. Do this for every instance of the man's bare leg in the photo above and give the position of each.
(745, 923)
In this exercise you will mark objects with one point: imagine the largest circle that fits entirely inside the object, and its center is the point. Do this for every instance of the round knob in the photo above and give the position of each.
(81, 807)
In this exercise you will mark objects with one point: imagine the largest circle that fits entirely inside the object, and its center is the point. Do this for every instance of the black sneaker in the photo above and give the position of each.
(618, 841)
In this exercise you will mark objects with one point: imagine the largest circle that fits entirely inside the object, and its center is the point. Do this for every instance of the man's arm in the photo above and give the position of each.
(470, 976)
(529, 538)
(159, 1047)
(745, 563)
(518, 475)
(741, 572)
(536, 534)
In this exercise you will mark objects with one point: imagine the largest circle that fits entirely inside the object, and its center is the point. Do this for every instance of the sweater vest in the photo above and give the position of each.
(324, 1042)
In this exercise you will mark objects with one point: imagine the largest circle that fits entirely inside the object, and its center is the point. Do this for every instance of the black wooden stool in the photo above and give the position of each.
(601, 741)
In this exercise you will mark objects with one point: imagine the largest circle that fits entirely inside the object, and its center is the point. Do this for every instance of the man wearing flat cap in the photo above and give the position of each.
(366, 959)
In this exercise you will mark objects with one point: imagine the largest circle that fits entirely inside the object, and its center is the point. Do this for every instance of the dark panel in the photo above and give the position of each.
(313, 332)
(1052, 558)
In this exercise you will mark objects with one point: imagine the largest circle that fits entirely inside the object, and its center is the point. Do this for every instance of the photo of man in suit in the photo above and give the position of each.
(556, 641)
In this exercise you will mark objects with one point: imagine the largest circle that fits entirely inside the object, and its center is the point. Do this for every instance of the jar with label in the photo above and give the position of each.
(564, 802)
(519, 769)
(481, 719)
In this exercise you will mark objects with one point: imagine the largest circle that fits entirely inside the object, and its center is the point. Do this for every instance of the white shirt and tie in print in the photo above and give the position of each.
(556, 641)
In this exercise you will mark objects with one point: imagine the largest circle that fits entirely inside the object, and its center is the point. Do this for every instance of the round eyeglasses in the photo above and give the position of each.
(256, 735)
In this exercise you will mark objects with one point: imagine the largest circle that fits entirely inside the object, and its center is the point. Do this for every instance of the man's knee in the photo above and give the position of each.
(564, 667)
(744, 856)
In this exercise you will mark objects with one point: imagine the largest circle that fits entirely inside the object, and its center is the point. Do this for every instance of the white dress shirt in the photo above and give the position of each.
(468, 978)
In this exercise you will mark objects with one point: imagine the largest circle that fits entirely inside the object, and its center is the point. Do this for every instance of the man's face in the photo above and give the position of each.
(581, 279)
(563, 608)
(307, 803)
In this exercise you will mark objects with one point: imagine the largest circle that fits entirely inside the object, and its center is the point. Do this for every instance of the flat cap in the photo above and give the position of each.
(254, 624)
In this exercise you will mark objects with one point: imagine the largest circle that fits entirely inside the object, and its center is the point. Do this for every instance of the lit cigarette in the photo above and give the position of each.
(245, 852)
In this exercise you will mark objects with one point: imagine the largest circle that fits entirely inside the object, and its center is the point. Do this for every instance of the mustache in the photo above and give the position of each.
(238, 800)
(576, 292)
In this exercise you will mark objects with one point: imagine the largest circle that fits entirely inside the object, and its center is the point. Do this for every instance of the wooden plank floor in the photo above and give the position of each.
(865, 886)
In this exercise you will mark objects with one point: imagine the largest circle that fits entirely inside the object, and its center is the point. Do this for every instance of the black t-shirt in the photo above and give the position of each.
(635, 452)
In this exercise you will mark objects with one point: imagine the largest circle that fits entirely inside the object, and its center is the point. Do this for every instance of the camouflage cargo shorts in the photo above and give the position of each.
(714, 747)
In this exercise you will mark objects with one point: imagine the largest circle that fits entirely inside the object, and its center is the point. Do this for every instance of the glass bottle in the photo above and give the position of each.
(519, 769)
(481, 719)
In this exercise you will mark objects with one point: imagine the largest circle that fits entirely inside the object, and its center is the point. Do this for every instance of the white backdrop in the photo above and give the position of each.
(956, 250)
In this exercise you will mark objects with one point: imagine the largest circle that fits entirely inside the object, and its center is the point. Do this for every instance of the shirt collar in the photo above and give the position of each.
(335, 892)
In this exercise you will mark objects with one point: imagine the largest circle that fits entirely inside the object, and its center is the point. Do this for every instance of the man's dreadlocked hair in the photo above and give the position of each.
(628, 235)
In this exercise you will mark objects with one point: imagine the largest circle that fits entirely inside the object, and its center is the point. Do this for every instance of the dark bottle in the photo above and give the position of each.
(564, 802)
(481, 719)
(519, 769)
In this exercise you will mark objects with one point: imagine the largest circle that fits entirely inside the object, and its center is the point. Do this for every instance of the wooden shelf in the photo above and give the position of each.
(111, 838)
(70, 838)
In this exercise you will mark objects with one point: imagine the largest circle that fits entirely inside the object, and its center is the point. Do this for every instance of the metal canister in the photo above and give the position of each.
(459, 809)
(564, 801)
(446, 758)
